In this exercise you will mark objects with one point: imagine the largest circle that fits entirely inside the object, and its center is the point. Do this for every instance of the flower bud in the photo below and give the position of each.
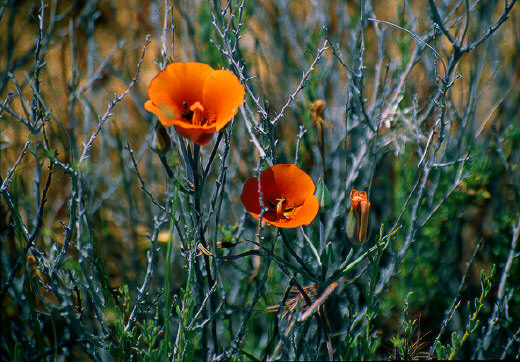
(357, 222)
(318, 106)
(161, 142)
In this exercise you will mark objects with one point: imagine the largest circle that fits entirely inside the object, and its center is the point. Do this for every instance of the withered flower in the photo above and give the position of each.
(294, 300)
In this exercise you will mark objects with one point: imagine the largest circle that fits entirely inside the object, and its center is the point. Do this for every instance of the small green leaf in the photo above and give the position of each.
(438, 347)
(454, 339)
(477, 324)
(351, 225)
(477, 304)
(323, 194)
(17, 355)
(327, 256)
(493, 270)
(265, 165)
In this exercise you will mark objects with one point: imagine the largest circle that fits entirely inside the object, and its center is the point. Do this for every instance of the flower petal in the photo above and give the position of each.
(223, 94)
(250, 197)
(165, 110)
(303, 216)
(356, 197)
(198, 135)
(282, 182)
(287, 180)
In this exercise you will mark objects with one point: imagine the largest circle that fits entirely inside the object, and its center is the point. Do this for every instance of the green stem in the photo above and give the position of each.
(295, 256)
(466, 333)
(196, 201)
(166, 167)
(308, 302)
(167, 288)
(343, 269)
(213, 153)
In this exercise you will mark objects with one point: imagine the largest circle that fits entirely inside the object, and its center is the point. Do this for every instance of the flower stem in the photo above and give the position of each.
(196, 202)
(166, 166)
(296, 256)
(213, 153)
(308, 302)
(167, 283)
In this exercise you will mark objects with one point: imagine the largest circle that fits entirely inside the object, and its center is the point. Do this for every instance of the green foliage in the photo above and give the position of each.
(408, 344)
(449, 351)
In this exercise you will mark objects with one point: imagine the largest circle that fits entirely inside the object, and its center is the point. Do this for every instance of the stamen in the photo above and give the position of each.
(198, 114)
(279, 207)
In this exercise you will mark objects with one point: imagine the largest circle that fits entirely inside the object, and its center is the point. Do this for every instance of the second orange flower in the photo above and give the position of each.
(195, 98)
(287, 195)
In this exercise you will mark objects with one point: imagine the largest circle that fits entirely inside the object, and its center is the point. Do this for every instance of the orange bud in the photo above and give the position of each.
(358, 217)
(318, 106)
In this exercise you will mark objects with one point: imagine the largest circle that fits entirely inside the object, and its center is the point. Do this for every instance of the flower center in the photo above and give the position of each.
(279, 208)
(196, 114)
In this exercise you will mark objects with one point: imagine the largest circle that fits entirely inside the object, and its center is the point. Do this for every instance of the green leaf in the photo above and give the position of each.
(323, 194)
(477, 324)
(454, 339)
(438, 347)
(17, 353)
(444, 353)
(265, 165)
(327, 256)
(477, 304)
(351, 227)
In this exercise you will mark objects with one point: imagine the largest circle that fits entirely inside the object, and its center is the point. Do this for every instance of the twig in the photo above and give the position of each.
(503, 17)
(32, 238)
(437, 55)
(492, 322)
(213, 153)
(111, 105)
(143, 186)
(448, 315)
(301, 84)
(151, 261)
(10, 172)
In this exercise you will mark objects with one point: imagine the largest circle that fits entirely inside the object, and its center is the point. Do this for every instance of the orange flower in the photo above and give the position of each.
(287, 195)
(357, 223)
(195, 98)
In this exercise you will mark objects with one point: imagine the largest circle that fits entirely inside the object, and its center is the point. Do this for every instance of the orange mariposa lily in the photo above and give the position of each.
(195, 98)
(287, 195)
